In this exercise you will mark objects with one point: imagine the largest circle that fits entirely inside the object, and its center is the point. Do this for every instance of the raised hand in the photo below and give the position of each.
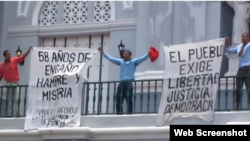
(227, 42)
(100, 49)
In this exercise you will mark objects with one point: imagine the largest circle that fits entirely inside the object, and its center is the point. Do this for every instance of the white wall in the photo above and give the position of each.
(112, 127)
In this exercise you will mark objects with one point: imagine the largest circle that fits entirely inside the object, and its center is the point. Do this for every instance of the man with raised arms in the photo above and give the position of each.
(127, 73)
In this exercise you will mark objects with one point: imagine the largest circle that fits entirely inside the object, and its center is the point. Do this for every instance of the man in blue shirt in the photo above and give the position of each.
(243, 52)
(127, 73)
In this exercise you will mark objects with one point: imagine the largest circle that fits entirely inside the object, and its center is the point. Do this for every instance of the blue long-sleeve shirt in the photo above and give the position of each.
(245, 59)
(127, 68)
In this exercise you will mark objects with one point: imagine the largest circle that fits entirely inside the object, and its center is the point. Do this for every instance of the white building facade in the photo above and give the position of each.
(90, 24)
(137, 24)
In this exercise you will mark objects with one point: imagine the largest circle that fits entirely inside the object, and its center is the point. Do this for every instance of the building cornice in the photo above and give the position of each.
(73, 29)
(121, 133)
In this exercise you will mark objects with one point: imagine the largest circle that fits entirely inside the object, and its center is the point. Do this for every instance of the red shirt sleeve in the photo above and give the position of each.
(1, 72)
(19, 59)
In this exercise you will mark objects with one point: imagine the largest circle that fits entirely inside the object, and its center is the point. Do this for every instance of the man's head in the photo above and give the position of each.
(127, 55)
(245, 38)
(7, 55)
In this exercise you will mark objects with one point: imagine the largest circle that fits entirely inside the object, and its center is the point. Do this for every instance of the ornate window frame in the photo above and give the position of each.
(71, 29)
(48, 15)
(39, 5)
(75, 12)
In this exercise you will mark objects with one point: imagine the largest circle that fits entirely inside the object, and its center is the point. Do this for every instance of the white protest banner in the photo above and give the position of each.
(191, 80)
(56, 86)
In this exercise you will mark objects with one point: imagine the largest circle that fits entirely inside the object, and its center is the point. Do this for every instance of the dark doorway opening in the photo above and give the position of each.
(248, 28)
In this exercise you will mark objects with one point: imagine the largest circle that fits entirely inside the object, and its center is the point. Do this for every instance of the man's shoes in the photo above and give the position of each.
(18, 114)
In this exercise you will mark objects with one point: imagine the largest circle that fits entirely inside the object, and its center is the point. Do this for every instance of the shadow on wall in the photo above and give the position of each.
(1, 25)
(226, 30)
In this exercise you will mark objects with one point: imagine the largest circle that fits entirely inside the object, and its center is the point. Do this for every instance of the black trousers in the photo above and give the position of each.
(243, 71)
(124, 91)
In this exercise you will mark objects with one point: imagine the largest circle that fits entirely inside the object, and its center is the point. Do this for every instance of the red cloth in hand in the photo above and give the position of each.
(153, 53)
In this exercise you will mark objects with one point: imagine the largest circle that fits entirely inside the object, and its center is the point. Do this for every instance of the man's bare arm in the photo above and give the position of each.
(110, 58)
(27, 53)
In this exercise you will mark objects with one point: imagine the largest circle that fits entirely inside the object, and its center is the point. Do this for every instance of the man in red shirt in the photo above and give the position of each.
(9, 71)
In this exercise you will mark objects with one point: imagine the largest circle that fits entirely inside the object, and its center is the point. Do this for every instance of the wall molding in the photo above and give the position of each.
(37, 9)
(113, 10)
(73, 29)
(22, 13)
(128, 5)
(88, 133)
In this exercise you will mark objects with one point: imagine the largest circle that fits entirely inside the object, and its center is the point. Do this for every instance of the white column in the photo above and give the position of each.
(232, 64)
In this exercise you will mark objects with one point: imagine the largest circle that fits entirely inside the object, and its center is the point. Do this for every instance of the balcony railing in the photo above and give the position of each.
(101, 97)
